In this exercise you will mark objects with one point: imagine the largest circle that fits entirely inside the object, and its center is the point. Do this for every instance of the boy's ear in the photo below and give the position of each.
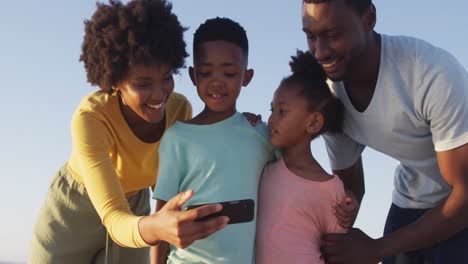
(315, 123)
(191, 72)
(247, 77)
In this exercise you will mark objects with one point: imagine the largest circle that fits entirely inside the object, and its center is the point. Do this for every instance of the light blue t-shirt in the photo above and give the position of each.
(219, 162)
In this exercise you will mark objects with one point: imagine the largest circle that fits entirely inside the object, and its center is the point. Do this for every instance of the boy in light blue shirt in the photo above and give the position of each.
(217, 154)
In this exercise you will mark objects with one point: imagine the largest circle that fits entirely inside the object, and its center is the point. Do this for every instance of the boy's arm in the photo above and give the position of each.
(159, 252)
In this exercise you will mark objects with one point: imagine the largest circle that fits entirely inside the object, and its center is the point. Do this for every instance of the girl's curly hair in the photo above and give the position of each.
(118, 36)
(312, 80)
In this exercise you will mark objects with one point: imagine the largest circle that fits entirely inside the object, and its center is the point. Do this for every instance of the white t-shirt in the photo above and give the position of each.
(419, 106)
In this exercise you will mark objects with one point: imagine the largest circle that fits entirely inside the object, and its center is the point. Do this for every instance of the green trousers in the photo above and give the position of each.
(68, 229)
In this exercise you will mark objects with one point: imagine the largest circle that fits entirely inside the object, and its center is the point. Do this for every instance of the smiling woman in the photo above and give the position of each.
(143, 96)
(131, 52)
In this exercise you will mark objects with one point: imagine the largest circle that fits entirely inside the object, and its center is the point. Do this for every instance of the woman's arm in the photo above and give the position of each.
(92, 142)
(177, 227)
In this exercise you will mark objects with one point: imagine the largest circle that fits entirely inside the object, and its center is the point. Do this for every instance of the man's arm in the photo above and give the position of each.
(353, 179)
(450, 217)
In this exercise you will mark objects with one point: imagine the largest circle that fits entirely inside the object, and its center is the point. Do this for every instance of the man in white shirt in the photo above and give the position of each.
(409, 100)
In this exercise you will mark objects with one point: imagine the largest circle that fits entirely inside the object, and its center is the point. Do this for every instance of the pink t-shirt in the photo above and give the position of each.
(293, 213)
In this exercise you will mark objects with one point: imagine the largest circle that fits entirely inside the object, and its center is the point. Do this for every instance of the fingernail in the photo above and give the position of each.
(187, 194)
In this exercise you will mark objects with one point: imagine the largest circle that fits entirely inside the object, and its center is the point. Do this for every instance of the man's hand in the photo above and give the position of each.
(352, 247)
(252, 118)
(346, 210)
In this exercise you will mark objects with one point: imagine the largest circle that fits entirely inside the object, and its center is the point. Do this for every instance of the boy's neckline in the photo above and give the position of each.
(218, 123)
(208, 116)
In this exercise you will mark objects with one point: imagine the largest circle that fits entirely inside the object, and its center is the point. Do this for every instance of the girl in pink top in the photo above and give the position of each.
(296, 194)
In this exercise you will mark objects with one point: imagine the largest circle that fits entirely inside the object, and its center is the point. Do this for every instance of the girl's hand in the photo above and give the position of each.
(252, 118)
(179, 228)
(346, 210)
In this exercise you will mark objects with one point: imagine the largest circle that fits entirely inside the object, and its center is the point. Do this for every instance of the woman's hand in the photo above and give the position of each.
(252, 118)
(346, 210)
(179, 228)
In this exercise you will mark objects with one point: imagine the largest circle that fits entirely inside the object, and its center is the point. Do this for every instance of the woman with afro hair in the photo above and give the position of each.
(130, 51)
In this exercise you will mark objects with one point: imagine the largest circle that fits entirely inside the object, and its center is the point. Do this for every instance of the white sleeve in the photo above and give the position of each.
(444, 102)
(343, 151)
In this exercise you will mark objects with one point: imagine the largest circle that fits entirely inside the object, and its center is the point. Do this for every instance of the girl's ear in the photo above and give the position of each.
(315, 123)
(248, 77)
(191, 72)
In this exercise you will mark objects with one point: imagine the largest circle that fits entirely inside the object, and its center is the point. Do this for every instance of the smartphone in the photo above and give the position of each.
(238, 211)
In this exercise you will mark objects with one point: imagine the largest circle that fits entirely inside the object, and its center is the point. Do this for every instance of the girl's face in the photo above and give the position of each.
(144, 92)
(290, 121)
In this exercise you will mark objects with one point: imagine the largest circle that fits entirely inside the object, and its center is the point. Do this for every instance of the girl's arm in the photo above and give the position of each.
(353, 179)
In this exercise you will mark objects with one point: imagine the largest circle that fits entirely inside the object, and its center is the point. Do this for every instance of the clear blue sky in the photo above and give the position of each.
(42, 82)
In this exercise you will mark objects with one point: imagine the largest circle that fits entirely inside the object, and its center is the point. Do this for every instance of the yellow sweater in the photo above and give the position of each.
(112, 163)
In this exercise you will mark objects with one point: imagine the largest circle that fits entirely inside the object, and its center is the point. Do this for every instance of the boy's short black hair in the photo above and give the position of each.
(118, 36)
(358, 5)
(221, 29)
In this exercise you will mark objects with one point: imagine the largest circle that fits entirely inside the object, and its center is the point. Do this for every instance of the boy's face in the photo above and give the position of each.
(336, 36)
(220, 70)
